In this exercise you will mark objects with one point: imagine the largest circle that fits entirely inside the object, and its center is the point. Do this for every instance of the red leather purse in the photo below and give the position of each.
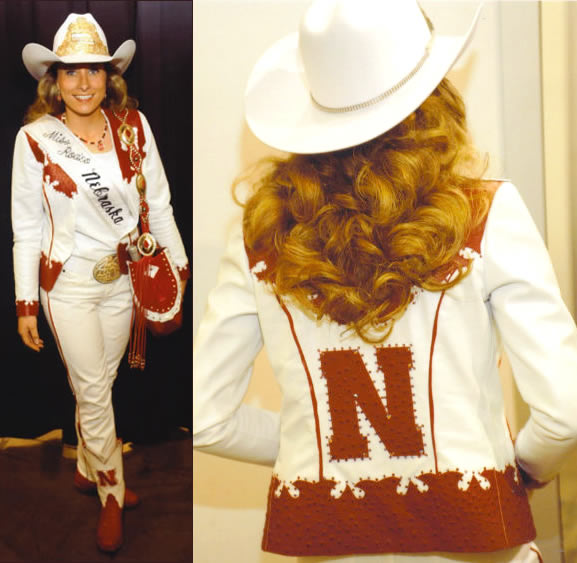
(154, 279)
(157, 297)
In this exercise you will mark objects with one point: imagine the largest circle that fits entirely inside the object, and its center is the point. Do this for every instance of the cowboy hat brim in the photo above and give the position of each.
(38, 59)
(280, 111)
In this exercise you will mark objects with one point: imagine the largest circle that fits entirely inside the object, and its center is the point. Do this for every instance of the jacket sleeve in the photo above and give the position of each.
(538, 333)
(161, 216)
(27, 222)
(228, 340)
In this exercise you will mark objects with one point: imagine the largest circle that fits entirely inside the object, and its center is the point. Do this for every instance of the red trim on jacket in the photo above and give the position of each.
(36, 150)
(184, 272)
(311, 386)
(27, 308)
(49, 272)
(431, 359)
(53, 173)
(133, 119)
(473, 241)
(384, 521)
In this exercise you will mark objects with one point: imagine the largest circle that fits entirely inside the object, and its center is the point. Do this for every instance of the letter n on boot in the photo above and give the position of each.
(110, 483)
(107, 478)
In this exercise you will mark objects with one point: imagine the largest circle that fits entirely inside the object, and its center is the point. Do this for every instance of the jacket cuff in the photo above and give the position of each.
(184, 272)
(27, 308)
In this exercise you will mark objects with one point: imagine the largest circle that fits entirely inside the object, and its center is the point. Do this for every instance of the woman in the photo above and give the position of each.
(382, 274)
(78, 161)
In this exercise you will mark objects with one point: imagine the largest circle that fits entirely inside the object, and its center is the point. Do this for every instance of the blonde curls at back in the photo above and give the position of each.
(47, 101)
(349, 235)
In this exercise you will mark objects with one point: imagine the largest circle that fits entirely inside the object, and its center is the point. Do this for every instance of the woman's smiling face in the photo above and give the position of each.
(82, 87)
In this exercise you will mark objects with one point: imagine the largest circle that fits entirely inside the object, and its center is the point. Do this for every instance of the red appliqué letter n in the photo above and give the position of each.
(349, 385)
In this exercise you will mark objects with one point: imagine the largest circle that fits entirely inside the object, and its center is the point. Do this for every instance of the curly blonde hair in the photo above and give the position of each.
(350, 234)
(47, 100)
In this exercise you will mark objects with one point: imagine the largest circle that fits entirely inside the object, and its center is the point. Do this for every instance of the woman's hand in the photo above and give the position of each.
(28, 331)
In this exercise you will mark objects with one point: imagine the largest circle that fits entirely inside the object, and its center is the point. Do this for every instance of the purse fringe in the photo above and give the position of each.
(137, 343)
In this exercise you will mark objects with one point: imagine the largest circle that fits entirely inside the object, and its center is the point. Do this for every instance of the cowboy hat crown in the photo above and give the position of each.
(79, 39)
(354, 70)
(346, 54)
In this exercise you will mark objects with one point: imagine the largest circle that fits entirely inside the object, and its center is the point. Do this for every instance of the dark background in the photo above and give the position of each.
(34, 394)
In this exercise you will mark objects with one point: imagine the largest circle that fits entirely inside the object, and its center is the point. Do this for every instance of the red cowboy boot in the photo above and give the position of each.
(109, 532)
(109, 476)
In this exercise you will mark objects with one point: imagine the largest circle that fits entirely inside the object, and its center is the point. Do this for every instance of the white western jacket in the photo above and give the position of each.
(45, 197)
(400, 447)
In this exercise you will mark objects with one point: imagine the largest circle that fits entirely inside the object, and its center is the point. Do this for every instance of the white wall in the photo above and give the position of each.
(499, 77)
(559, 24)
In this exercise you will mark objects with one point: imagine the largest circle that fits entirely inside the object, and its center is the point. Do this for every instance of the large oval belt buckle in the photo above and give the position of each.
(107, 269)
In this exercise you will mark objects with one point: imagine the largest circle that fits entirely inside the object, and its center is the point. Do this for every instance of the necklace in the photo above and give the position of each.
(99, 143)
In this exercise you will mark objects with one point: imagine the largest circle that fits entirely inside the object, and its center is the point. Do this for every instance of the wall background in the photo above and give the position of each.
(559, 24)
(501, 80)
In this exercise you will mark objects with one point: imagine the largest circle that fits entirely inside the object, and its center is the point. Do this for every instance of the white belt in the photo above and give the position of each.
(103, 267)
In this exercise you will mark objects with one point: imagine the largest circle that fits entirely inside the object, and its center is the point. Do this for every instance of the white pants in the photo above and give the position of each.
(91, 325)
(526, 553)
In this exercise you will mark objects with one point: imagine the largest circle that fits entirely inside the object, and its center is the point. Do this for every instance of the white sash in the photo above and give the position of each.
(66, 150)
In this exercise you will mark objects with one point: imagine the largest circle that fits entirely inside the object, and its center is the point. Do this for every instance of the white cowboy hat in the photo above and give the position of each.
(78, 40)
(355, 69)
